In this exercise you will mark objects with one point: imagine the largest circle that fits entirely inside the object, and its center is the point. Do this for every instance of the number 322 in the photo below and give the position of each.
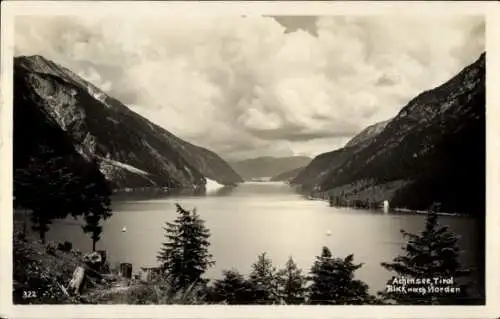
(29, 294)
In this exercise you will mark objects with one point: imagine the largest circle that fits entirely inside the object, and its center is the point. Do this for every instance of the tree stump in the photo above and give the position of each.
(386, 206)
(76, 282)
(103, 255)
(150, 273)
(126, 270)
(94, 263)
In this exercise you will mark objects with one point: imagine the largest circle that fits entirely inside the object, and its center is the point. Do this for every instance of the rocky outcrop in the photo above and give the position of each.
(132, 151)
(367, 134)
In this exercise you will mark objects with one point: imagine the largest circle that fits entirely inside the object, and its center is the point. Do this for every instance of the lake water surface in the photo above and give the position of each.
(264, 217)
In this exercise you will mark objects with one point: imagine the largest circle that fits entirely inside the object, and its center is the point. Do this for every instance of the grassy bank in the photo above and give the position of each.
(42, 273)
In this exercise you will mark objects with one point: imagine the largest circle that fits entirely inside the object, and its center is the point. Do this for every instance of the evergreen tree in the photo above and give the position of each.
(93, 226)
(264, 280)
(184, 256)
(291, 283)
(53, 186)
(333, 281)
(232, 289)
(95, 202)
(433, 253)
(41, 186)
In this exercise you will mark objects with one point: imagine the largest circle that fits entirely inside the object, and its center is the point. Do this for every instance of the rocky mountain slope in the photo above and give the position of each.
(368, 133)
(313, 174)
(320, 166)
(268, 166)
(432, 152)
(52, 103)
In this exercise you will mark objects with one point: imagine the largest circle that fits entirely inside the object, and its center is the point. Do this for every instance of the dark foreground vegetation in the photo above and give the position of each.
(44, 272)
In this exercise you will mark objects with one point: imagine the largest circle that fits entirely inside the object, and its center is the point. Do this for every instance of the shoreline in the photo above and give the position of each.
(379, 207)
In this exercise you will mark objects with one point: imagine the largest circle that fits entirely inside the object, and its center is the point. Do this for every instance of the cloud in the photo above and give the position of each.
(249, 86)
(294, 23)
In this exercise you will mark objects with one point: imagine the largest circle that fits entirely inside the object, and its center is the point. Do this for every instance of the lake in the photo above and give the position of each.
(269, 217)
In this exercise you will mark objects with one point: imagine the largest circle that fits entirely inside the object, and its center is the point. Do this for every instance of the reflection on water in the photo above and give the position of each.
(258, 217)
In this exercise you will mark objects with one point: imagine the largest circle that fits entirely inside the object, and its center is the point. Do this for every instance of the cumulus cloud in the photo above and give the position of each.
(250, 86)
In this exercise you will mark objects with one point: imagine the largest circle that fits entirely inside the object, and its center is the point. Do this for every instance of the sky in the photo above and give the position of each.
(261, 85)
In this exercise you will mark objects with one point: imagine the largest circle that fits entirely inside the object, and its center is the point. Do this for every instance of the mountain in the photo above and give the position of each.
(368, 133)
(431, 153)
(53, 104)
(268, 166)
(287, 176)
(314, 173)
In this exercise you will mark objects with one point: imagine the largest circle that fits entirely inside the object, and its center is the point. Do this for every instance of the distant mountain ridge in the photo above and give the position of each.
(132, 151)
(268, 166)
(432, 152)
(287, 176)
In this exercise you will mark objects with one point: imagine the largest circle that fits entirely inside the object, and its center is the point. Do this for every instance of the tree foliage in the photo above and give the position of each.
(233, 289)
(184, 255)
(42, 186)
(333, 281)
(264, 280)
(96, 202)
(292, 283)
(53, 186)
(433, 253)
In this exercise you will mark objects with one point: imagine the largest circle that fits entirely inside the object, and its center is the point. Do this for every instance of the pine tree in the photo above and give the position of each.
(333, 281)
(92, 225)
(433, 253)
(184, 256)
(264, 280)
(95, 202)
(291, 283)
(232, 289)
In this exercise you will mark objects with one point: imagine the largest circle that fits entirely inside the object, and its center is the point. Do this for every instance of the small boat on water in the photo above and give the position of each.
(124, 229)
(328, 233)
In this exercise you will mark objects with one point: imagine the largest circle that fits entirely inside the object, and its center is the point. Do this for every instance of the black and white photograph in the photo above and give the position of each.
(248, 159)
